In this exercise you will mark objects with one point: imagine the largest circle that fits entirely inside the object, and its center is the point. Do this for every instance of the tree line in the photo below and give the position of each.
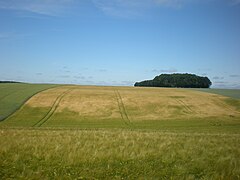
(177, 80)
(9, 82)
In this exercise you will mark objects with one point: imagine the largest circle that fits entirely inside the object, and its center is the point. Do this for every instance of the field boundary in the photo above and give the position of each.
(122, 108)
(227, 106)
(231, 93)
(52, 109)
(16, 109)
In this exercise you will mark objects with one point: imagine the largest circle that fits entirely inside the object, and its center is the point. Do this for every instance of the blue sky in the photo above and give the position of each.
(119, 42)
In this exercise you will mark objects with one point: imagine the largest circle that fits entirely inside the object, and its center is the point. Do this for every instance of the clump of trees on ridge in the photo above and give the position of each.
(177, 80)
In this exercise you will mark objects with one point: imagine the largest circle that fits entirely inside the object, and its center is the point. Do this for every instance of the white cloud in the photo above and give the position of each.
(171, 3)
(170, 70)
(218, 77)
(130, 8)
(121, 8)
(4, 35)
(11, 35)
(43, 7)
(226, 85)
(235, 2)
(127, 83)
(235, 75)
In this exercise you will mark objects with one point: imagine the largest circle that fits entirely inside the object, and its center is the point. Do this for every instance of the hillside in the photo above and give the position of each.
(92, 132)
(233, 93)
(127, 107)
(13, 95)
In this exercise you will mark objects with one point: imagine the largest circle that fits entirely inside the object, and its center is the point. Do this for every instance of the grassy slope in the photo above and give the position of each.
(138, 140)
(124, 107)
(233, 93)
(13, 95)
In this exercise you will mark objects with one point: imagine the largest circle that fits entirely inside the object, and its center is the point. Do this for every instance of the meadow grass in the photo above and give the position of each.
(117, 154)
(88, 132)
(13, 95)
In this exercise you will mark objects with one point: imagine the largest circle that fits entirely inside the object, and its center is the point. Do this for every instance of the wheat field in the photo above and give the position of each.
(78, 106)
(91, 132)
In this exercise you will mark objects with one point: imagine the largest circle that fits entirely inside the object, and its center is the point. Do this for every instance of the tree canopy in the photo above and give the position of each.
(177, 80)
(9, 82)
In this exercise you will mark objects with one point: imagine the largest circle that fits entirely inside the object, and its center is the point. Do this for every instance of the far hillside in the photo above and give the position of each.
(233, 93)
(177, 80)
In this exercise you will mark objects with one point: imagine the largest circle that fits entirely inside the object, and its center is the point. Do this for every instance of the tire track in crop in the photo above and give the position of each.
(122, 109)
(52, 109)
(185, 106)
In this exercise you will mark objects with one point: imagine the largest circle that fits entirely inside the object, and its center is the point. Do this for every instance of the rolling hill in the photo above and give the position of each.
(92, 132)
(13, 95)
(125, 107)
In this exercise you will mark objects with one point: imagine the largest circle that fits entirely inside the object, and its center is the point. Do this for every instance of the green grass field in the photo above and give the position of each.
(90, 132)
(233, 93)
(13, 95)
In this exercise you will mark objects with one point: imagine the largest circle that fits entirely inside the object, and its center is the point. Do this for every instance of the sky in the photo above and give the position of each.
(119, 42)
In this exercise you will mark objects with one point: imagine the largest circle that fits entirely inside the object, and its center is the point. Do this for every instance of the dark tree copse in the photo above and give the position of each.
(177, 80)
(9, 82)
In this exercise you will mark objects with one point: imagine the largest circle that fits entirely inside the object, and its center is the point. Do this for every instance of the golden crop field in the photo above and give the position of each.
(93, 132)
(124, 106)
